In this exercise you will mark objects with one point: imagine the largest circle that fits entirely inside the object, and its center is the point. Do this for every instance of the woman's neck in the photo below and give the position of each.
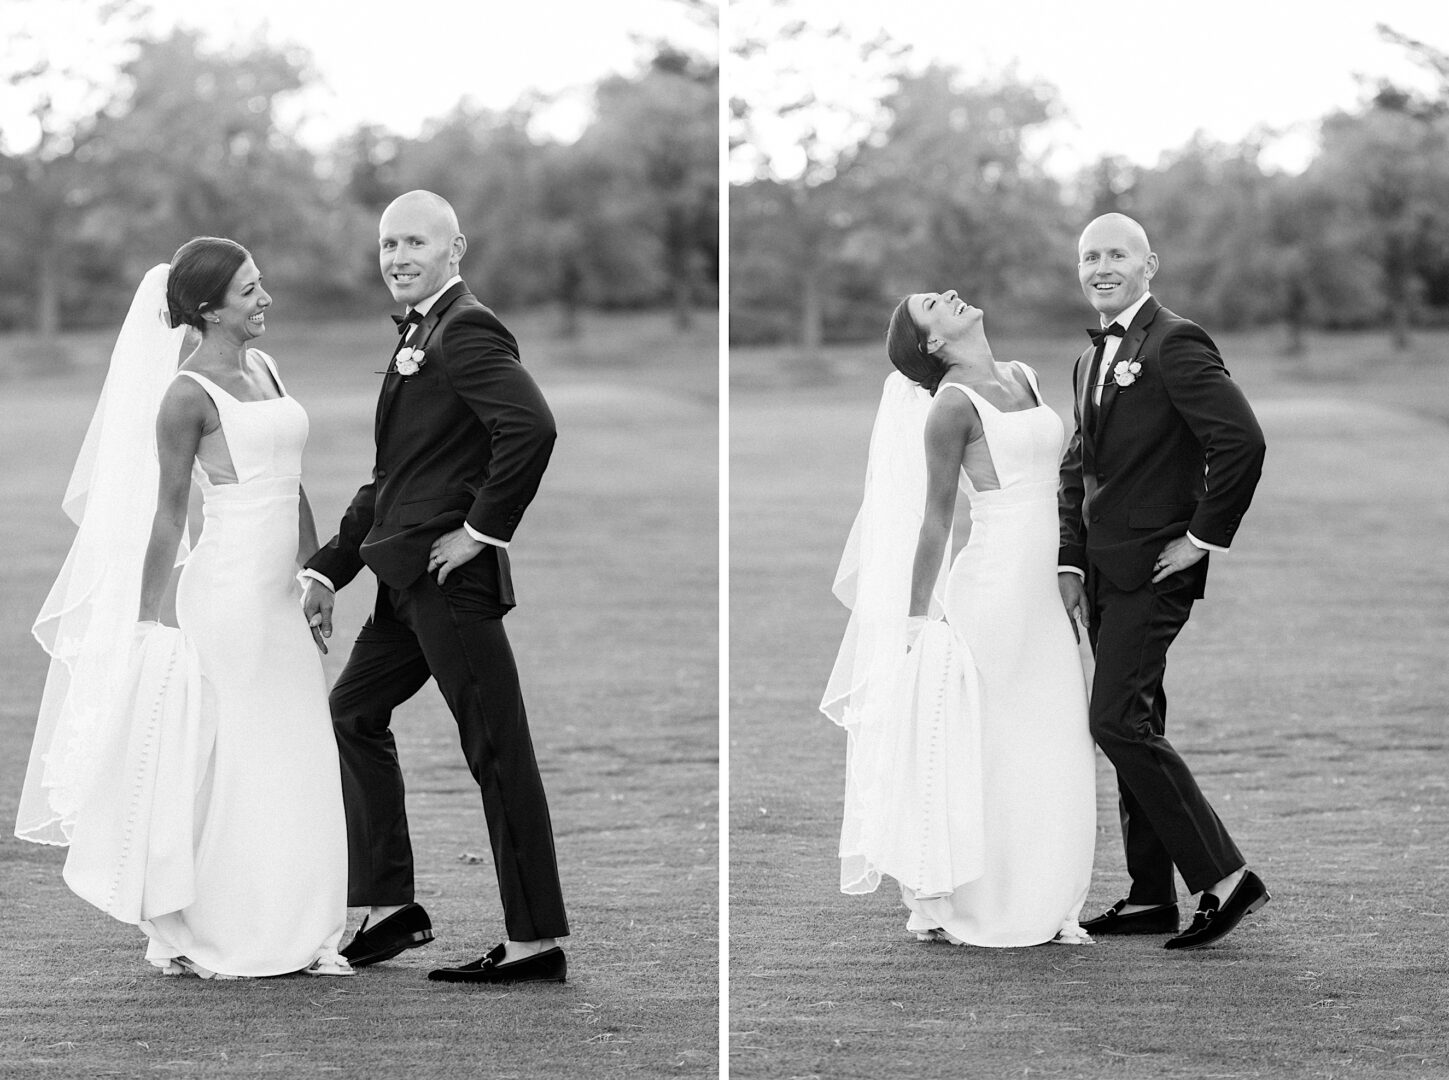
(220, 354)
(969, 361)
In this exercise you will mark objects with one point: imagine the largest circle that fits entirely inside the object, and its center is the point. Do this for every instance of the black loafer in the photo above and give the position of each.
(1157, 920)
(547, 966)
(406, 928)
(1213, 921)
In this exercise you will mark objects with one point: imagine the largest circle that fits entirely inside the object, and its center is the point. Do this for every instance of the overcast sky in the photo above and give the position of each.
(392, 63)
(1141, 76)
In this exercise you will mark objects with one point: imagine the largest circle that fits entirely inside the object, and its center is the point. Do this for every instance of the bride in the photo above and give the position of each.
(970, 772)
(193, 774)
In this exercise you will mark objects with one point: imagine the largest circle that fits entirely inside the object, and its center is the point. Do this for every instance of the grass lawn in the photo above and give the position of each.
(1308, 695)
(616, 638)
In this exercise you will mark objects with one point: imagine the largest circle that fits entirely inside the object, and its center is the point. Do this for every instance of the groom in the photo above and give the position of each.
(1160, 470)
(463, 437)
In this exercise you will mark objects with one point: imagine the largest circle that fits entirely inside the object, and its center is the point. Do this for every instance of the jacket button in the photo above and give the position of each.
(1096, 518)
(381, 473)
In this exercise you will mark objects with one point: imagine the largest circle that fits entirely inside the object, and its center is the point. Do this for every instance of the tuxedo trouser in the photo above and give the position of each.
(1166, 819)
(453, 633)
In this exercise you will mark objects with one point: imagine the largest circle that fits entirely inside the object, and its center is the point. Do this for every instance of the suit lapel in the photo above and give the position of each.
(419, 340)
(1086, 411)
(1132, 342)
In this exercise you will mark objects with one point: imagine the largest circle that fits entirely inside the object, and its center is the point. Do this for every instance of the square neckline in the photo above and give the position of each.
(271, 371)
(1031, 386)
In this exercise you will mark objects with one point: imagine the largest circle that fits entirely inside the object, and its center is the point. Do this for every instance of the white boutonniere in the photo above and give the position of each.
(1125, 372)
(408, 361)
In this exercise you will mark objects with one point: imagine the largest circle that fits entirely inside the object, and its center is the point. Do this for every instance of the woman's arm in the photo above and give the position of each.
(307, 543)
(952, 424)
(179, 427)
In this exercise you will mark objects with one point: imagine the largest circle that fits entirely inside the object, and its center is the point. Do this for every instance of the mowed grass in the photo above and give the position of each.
(1307, 692)
(616, 639)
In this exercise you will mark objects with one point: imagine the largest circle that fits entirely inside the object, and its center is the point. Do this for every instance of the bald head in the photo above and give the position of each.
(425, 204)
(1114, 263)
(419, 245)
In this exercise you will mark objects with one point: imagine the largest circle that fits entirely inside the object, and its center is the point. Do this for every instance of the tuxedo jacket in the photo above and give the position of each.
(465, 438)
(1178, 450)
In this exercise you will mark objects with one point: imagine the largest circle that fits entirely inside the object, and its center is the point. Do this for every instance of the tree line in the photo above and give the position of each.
(939, 190)
(187, 142)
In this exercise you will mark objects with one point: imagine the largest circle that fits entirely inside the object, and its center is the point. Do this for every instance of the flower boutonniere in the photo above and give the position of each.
(408, 360)
(1125, 372)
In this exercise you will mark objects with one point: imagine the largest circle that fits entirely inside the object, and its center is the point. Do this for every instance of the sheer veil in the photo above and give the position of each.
(88, 621)
(913, 793)
(874, 576)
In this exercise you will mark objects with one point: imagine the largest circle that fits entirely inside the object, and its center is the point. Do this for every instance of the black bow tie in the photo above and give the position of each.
(1099, 336)
(413, 317)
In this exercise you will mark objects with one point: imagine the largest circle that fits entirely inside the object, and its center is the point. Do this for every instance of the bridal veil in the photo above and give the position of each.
(88, 621)
(913, 805)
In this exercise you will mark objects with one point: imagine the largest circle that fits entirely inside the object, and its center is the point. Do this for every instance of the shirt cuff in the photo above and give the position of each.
(476, 535)
(1195, 542)
(1073, 570)
(304, 576)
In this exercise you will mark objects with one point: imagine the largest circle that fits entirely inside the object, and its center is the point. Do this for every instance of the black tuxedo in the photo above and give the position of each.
(465, 438)
(1176, 450)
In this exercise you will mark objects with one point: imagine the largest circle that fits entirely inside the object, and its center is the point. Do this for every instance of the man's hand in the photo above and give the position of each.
(317, 602)
(1074, 599)
(452, 550)
(1178, 555)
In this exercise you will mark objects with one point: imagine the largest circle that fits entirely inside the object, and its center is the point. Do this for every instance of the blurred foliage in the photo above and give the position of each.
(935, 186)
(187, 142)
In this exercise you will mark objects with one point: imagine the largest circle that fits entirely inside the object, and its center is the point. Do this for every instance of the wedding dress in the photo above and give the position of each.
(193, 773)
(271, 841)
(970, 776)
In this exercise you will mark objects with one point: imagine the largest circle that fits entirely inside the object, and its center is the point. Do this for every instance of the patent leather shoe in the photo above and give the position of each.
(1214, 921)
(1157, 920)
(547, 966)
(406, 928)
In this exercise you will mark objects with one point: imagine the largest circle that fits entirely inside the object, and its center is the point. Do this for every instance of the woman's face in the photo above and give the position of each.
(242, 314)
(942, 317)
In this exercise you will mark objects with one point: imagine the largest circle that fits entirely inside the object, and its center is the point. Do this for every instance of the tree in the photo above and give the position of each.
(44, 173)
(186, 143)
(948, 195)
(657, 137)
(1207, 208)
(1386, 171)
(791, 135)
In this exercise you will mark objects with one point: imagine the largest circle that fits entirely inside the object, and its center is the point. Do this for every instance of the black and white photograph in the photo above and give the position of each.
(359, 412)
(656, 539)
(1085, 359)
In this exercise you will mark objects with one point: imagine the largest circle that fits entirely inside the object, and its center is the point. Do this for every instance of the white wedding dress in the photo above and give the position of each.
(970, 774)
(270, 837)
(1037, 768)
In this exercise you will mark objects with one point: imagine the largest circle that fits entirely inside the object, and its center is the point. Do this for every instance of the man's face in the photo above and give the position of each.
(1114, 266)
(417, 251)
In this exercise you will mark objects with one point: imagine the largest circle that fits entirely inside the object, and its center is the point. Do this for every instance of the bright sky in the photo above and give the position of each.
(1141, 76)
(398, 64)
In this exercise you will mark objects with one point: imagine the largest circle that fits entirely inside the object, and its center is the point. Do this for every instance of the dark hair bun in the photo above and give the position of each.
(906, 347)
(201, 270)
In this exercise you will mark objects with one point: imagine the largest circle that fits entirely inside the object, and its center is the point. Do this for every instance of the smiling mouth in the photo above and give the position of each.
(961, 308)
(1105, 286)
(405, 278)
